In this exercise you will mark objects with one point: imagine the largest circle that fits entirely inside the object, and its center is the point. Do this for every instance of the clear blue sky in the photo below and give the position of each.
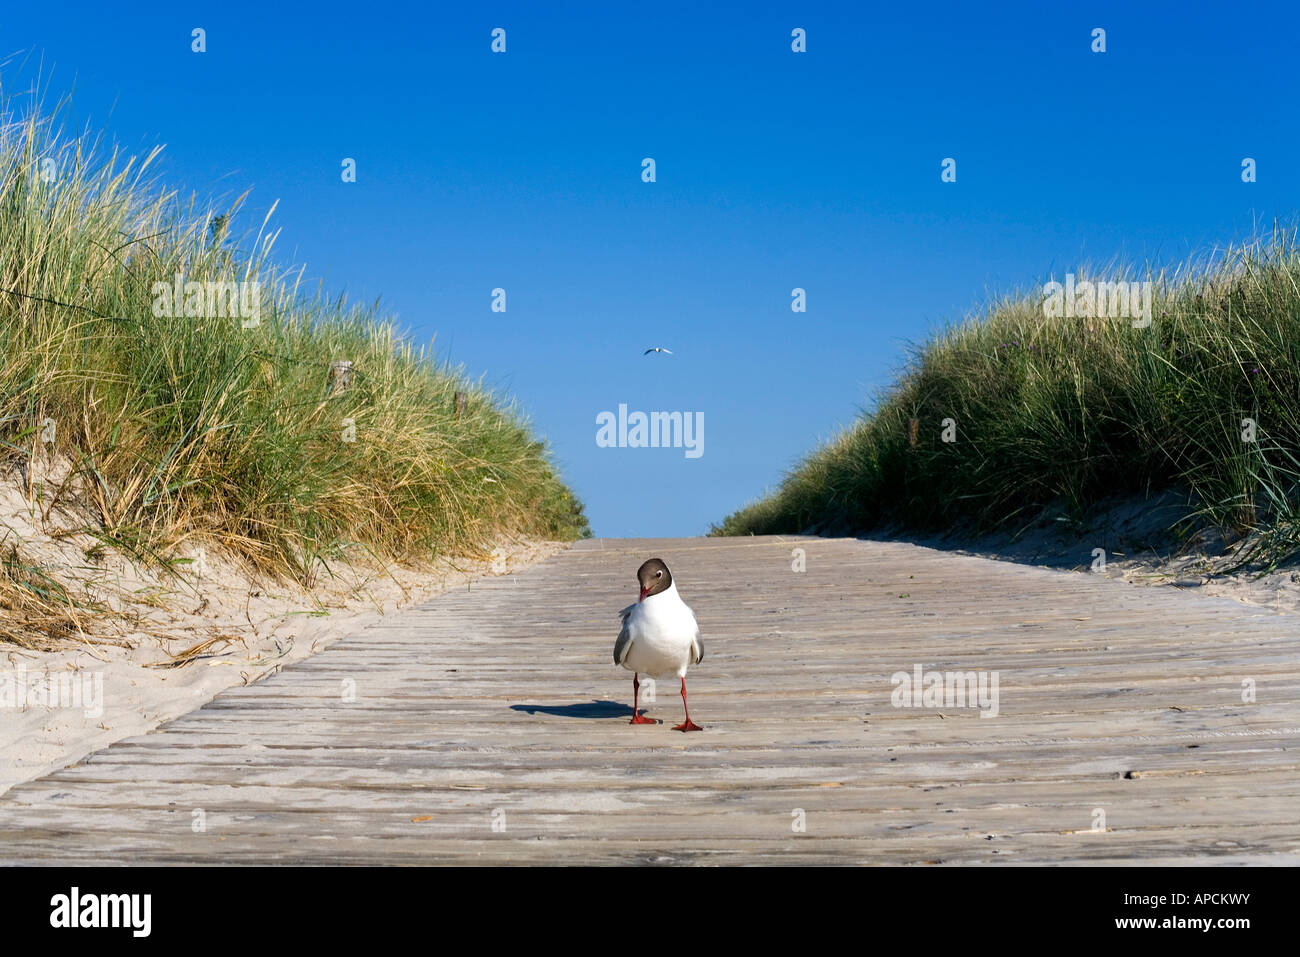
(819, 170)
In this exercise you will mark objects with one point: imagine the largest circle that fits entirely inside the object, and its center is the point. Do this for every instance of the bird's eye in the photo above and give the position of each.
(659, 574)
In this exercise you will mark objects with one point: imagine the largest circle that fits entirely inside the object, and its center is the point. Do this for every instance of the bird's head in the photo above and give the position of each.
(654, 577)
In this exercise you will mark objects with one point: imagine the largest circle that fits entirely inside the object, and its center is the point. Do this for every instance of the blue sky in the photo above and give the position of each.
(775, 170)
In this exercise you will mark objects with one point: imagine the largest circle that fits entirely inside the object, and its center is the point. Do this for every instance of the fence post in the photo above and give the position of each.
(340, 375)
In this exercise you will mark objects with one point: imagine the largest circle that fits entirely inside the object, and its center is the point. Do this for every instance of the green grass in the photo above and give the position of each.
(1064, 413)
(186, 428)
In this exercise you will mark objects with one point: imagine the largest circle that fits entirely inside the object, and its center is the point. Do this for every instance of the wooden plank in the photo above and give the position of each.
(472, 710)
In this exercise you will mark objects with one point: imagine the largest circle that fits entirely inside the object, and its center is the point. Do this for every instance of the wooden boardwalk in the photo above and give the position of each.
(490, 725)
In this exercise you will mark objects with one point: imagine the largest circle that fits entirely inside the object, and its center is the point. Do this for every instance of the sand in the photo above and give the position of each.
(1139, 547)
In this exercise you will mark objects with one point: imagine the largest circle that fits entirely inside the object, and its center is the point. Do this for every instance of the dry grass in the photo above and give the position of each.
(186, 429)
(1064, 413)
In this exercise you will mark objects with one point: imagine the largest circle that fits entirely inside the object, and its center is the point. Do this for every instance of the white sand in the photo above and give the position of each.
(56, 706)
(1139, 548)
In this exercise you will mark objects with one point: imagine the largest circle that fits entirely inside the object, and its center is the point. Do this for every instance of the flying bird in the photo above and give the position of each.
(660, 637)
(658, 349)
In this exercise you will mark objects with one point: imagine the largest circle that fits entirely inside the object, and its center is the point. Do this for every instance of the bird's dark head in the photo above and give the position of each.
(654, 577)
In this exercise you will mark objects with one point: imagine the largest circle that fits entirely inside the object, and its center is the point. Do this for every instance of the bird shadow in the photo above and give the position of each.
(583, 709)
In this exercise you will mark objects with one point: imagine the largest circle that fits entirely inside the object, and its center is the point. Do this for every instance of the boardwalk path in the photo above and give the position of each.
(500, 705)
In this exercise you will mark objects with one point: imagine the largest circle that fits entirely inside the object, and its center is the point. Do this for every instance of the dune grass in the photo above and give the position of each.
(1065, 412)
(228, 429)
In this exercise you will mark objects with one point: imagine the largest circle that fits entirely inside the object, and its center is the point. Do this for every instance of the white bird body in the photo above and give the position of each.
(660, 636)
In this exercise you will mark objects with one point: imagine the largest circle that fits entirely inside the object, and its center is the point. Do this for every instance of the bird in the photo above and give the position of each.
(660, 637)
(658, 349)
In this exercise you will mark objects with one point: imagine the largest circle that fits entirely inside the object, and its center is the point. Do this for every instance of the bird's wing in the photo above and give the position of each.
(697, 643)
(669, 351)
(647, 352)
(624, 640)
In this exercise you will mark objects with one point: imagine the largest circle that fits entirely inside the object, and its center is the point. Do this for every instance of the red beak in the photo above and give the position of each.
(643, 591)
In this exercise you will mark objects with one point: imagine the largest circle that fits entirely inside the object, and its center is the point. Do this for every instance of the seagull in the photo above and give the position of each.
(667, 352)
(660, 637)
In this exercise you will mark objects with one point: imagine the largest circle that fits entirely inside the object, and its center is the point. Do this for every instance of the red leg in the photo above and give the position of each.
(637, 717)
(688, 724)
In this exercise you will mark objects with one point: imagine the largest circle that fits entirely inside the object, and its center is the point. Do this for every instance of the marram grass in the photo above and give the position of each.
(179, 429)
(1067, 412)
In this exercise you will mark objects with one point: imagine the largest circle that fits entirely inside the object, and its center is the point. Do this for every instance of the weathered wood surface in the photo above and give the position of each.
(500, 704)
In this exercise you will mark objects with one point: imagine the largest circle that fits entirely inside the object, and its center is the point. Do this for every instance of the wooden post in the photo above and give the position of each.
(461, 399)
(340, 375)
(912, 428)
